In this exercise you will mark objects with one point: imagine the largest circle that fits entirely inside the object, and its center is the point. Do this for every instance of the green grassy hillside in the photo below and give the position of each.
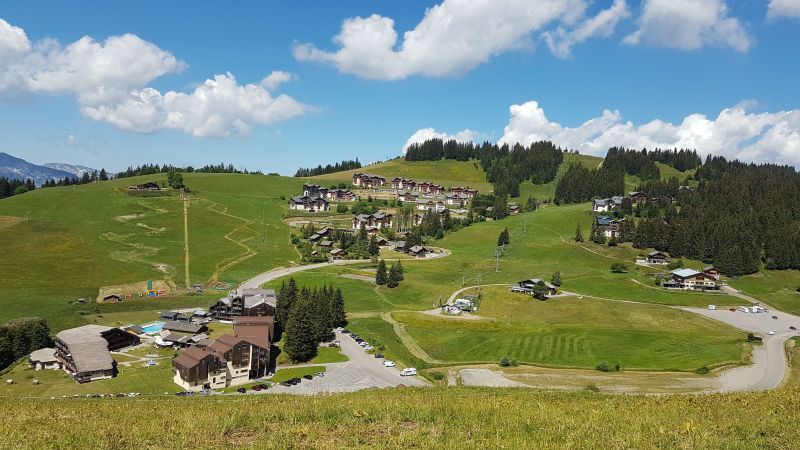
(446, 172)
(73, 241)
(452, 418)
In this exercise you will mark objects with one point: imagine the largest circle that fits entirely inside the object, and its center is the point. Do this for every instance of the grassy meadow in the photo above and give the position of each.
(445, 418)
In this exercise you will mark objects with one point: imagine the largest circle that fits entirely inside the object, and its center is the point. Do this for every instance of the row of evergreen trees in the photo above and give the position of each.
(682, 159)
(86, 178)
(579, 184)
(19, 337)
(632, 162)
(13, 186)
(506, 167)
(152, 169)
(305, 317)
(320, 170)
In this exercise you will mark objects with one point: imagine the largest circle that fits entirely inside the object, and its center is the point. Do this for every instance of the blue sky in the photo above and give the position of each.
(719, 75)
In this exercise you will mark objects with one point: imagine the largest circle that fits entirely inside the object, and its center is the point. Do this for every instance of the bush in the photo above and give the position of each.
(603, 367)
(505, 361)
(619, 268)
(702, 370)
(341, 208)
(438, 376)
(592, 388)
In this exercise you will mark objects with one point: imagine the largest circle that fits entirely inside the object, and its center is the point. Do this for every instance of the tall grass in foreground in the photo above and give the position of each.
(453, 418)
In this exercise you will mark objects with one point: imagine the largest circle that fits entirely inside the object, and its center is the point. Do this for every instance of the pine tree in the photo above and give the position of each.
(287, 297)
(503, 238)
(338, 317)
(381, 277)
(556, 279)
(401, 273)
(394, 277)
(613, 241)
(373, 248)
(301, 340)
(578, 234)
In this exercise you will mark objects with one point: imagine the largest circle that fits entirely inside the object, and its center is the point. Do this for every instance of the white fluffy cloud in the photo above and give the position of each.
(783, 8)
(453, 37)
(425, 134)
(734, 133)
(689, 25)
(110, 81)
(217, 108)
(603, 24)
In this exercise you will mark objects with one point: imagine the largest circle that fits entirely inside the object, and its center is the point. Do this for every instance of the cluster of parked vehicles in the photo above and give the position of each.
(408, 371)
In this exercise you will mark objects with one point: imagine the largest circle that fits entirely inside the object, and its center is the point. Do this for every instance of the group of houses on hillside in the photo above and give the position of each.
(368, 181)
(682, 278)
(317, 198)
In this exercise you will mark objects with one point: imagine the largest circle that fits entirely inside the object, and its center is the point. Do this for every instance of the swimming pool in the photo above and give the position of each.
(153, 328)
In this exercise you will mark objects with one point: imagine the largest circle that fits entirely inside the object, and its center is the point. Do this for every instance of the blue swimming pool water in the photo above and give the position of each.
(153, 328)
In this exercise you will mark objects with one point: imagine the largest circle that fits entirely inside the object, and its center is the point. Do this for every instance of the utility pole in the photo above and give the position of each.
(525, 222)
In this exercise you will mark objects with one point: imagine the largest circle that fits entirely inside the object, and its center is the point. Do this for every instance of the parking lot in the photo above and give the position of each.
(363, 371)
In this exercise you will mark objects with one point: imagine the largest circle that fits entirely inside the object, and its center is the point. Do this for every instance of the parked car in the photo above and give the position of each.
(770, 332)
(256, 388)
(388, 364)
(368, 347)
(320, 374)
(241, 390)
(775, 317)
(792, 327)
(287, 383)
(308, 377)
(378, 355)
(263, 386)
(408, 372)
(296, 381)
(345, 331)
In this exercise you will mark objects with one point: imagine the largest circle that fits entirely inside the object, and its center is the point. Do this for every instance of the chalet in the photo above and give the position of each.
(513, 209)
(470, 193)
(341, 195)
(168, 315)
(400, 246)
(324, 231)
(528, 285)
(325, 243)
(85, 352)
(338, 254)
(436, 189)
(638, 197)
(459, 200)
(609, 227)
(247, 302)
(149, 186)
(407, 196)
(44, 359)
(657, 257)
(231, 360)
(409, 185)
(427, 187)
(606, 204)
(691, 279)
(431, 205)
(368, 181)
(308, 203)
(382, 241)
(397, 183)
(314, 238)
(112, 298)
(377, 220)
(419, 251)
(184, 327)
(713, 272)
(314, 190)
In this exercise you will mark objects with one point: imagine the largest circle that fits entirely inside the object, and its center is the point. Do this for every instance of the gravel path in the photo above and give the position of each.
(487, 378)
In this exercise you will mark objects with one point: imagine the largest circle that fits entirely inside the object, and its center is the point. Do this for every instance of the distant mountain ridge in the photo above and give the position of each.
(74, 169)
(17, 168)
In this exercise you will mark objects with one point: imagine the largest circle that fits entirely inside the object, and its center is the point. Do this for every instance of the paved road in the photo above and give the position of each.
(769, 366)
(363, 371)
(259, 280)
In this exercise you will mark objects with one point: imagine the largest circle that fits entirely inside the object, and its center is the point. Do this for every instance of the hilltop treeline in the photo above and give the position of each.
(19, 337)
(739, 217)
(682, 159)
(579, 184)
(320, 170)
(506, 167)
(151, 169)
(307, 316)
(632, 162)
(12, 186)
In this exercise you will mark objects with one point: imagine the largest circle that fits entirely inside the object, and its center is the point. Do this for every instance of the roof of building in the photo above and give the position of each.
(255, 297)
(254, 329)
(325, 243)
(191, 357)
(183, 327)
(685, 273)
(88, 348)
(656, 253)
(337, 251)
(43, 355)
(417, 249)
(168, 314)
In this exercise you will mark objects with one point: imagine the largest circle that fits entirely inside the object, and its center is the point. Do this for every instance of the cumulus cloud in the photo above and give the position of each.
(425, 134)
(603, 24)
(689, 25)
(452, 38)
(734, 133)
(783, 8)
(217, 108)
(110, 81)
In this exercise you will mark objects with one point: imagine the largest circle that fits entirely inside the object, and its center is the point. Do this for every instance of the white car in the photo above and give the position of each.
(388, 364)
(408, 372)
(770, 333)
(368, 347)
